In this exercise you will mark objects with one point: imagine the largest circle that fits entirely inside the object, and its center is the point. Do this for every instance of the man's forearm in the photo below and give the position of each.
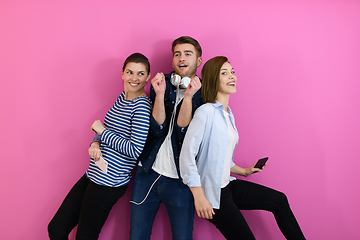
(159, 109)
(185, 113)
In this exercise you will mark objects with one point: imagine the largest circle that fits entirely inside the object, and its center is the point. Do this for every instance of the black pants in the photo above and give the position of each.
(86, 205)
(243, 195)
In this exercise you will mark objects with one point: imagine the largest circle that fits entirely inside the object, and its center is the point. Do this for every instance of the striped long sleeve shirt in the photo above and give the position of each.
(127, 125)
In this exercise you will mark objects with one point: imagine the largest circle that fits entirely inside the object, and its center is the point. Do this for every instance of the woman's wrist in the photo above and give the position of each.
(101, 130)
(95, 144)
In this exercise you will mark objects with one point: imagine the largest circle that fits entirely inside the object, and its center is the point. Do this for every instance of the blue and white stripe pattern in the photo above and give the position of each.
(127, 125)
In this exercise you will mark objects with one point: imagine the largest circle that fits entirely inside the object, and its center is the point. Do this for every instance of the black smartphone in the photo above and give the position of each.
(261, 162)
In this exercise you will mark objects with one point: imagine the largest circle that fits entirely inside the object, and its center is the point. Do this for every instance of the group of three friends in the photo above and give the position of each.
(183, 138)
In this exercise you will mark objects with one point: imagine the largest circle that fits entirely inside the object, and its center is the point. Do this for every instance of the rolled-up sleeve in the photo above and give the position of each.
(181, 131)
(157, 129)
(190, 148)
(97, 138)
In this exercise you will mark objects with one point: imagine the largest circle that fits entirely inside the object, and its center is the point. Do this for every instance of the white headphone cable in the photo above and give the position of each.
(147, 192)
(172, 120)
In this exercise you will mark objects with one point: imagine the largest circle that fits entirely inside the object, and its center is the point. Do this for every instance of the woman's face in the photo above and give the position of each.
(135, 76)
(227, 83)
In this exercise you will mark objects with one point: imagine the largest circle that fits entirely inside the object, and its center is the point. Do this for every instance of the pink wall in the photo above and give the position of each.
(297, 101)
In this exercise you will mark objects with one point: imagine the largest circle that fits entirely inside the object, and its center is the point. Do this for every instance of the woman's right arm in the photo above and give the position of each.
(202, 205)
(188, 167)
(190, 148)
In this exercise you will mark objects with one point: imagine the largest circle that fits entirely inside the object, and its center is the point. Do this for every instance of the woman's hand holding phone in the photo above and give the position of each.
(257, 167)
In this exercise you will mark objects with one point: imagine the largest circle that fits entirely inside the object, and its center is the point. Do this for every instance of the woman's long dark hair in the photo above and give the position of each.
(210, 78)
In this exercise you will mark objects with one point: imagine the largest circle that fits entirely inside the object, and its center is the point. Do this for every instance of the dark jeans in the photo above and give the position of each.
(176, 197)
(243, 195)
(86, 205)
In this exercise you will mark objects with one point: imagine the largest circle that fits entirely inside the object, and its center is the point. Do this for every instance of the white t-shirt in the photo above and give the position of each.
(231, 143)
(164, 163)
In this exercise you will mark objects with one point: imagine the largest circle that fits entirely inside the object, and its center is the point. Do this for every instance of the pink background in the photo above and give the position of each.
(297, 102)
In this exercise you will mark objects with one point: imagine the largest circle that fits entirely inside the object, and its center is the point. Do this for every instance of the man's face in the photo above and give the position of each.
(185, 60)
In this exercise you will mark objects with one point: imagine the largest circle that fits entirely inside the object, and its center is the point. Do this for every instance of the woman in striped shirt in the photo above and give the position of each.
(114, 151)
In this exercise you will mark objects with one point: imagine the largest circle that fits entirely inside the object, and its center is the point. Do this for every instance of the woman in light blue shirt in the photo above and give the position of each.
(206, 161)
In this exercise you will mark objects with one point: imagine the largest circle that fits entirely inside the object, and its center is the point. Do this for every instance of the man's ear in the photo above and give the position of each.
(199, 61)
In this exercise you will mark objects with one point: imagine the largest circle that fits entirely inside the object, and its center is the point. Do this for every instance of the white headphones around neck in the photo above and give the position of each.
(177, 81)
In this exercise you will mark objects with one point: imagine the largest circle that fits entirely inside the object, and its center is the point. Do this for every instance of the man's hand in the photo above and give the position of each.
(159, 84)
(193, 87)
(185, 113)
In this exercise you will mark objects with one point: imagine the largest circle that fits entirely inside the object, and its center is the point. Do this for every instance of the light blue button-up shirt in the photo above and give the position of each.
(202, 155)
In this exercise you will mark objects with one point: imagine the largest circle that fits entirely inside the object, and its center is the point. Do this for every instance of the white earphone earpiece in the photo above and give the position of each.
(177, 81)
(185, 81)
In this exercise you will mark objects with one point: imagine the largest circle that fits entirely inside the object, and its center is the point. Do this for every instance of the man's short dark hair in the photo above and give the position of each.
(190, 40)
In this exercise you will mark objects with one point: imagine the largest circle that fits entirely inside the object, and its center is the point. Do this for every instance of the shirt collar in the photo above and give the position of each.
(216, 104)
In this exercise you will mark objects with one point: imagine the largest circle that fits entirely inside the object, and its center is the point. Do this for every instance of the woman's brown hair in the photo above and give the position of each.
(210, 78)
(137, 58)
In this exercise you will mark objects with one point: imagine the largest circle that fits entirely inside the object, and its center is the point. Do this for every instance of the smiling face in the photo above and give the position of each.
(135, 76)
(185, 60)
(227, 80)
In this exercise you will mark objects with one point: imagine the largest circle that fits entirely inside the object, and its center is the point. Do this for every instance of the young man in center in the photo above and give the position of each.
(175, 98)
